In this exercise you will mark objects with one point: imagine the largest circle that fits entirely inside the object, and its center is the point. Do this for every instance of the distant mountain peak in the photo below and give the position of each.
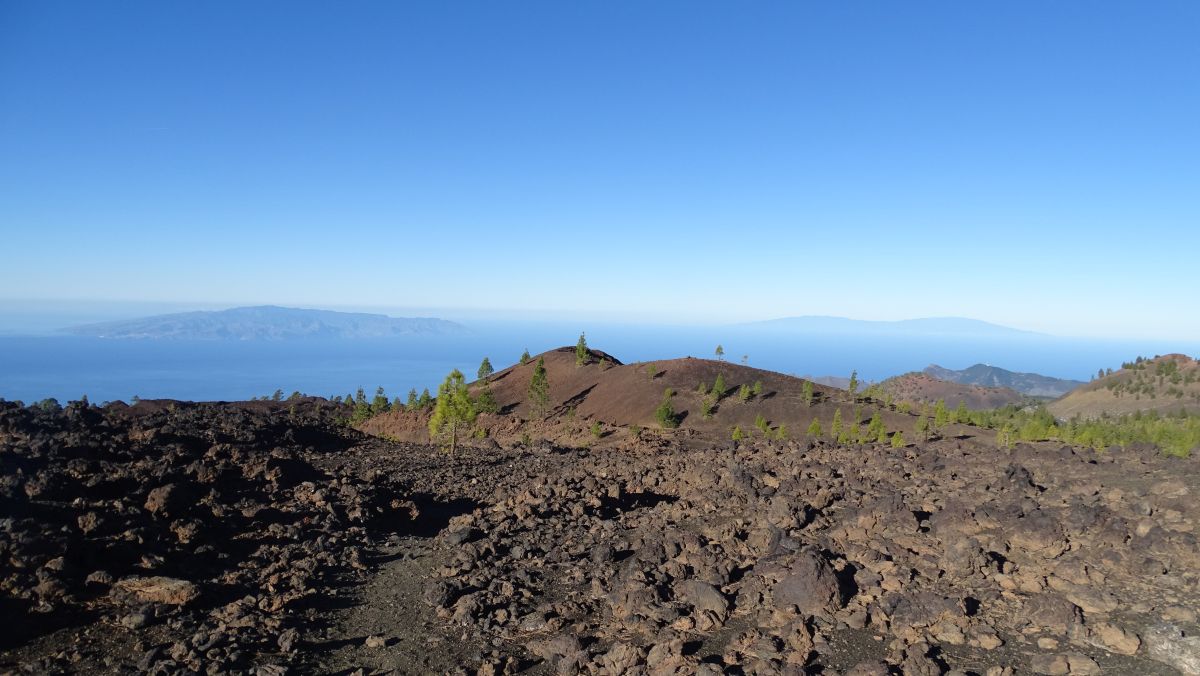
(1031, 384)
(267, 322)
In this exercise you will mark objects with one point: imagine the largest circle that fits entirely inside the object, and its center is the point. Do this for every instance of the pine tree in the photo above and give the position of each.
(454, 411)
(719, 387)
(738, 434)
(814, 428)
(539, 389)
(485, 369)
(923, 427)
(380, 403)
(425, 400)
(524, 357)
(486, 403)
(597, 431)
(961, 414)
(411, 404)
(898, 440)
(761, 423)
(744, 392)
(782, 432)
(665, 413)
(852, 388)
(581, 351)
(807, 393)
(941, 415)
(875, 429)
(836, 430)
(757, 389)
(720, 353)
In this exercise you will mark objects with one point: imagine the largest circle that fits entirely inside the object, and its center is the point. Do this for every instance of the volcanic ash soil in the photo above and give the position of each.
(267, 538)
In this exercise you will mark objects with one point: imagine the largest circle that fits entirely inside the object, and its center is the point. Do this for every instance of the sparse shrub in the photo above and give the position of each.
(635, 431)
(526, 441)
(782, 432)
(1005, 436)
(597, 431)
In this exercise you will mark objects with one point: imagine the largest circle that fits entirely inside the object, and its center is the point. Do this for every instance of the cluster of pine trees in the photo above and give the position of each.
(1176, 434)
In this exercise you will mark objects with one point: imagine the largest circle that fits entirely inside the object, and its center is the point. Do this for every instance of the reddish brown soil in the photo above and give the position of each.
(923, 388)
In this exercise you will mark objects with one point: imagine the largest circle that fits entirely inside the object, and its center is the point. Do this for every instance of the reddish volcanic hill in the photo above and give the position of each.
(618, 395)
(923, 388)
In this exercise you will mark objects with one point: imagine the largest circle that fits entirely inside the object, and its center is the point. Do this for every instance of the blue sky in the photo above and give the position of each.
(1032, 164)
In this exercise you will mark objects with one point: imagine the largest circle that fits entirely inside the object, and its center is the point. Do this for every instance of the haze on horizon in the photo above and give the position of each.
(1029, 165)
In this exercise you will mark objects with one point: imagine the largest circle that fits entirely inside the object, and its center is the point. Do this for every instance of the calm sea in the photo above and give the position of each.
(33, 368)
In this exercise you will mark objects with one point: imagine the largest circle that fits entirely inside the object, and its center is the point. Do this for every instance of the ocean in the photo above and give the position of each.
(66, 368)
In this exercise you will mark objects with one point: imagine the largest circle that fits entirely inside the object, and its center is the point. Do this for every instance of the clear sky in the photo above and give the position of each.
(1029, 163)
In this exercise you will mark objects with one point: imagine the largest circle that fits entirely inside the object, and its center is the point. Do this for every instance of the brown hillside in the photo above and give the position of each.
(924, 388)
(1166, 384)
(620, 396)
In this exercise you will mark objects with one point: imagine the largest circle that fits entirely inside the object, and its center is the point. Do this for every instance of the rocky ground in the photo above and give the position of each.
(268, 538)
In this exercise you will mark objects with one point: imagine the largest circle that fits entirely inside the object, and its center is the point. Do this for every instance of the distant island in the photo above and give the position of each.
(267, 322)
(923, 326)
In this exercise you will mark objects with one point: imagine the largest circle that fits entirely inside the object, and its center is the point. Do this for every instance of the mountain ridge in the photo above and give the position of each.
(1031, 384)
